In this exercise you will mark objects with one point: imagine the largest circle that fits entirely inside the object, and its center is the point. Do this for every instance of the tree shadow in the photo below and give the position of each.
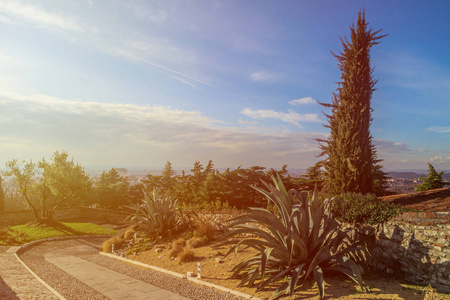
(6, 292)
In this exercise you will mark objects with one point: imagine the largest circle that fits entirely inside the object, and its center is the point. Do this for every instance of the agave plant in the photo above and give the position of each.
(157, 216)
(303, 240)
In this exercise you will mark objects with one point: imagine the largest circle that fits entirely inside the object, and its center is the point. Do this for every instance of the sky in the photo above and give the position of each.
(140, 83)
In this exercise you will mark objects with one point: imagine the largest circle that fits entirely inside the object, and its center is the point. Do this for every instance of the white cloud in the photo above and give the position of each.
(126, 134)
(439, 129)
(389, 146)
(290, 117)
(302, 101)
(262, 76)
(37, 15)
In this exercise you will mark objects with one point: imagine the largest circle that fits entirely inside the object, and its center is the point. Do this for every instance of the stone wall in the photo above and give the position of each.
(62, 214)
(416, 250)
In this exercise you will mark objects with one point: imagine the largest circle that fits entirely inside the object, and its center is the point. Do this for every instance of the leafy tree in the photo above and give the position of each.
(351, 164)
(112, 190)
(432, 181)
(48, 185)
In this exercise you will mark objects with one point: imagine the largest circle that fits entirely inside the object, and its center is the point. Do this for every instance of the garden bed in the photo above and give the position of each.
(337, 286)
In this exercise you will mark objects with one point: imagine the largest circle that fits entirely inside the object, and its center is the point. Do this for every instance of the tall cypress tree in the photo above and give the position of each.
(351, 163)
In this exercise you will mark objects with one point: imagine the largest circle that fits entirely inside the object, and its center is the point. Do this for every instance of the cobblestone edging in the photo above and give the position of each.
(192, 279)
(24, 247)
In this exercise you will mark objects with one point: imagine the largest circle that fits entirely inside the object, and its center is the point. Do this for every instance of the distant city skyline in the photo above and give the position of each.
(137, 84)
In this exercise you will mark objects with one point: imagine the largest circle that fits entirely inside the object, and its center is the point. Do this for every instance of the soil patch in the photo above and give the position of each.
(432, 200)
(337, 286)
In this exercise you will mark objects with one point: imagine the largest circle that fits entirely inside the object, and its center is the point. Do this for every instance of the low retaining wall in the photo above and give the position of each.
(62, 214)
(416, 250)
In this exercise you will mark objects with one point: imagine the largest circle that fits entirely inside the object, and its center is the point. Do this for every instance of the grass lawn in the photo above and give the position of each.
(22, 234)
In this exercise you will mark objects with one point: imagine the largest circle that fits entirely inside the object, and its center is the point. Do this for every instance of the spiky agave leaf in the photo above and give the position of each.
(157, 216)
(303, 240)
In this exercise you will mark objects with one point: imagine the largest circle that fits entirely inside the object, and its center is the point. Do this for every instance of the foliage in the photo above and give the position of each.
(432, 181)
(47, 185)
(22, 234)
(364, 209)
(2, 196)
(208, 189)
(157, 216)
(112, 190)
(351, 164)
(305, 240)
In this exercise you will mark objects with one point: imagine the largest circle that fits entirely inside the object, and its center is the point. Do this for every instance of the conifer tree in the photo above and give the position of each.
(351, 163)
(432, 181)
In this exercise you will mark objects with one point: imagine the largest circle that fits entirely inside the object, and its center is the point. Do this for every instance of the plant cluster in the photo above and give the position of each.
(364, 209)
(206, 188)
(157, 216)
(304, 241)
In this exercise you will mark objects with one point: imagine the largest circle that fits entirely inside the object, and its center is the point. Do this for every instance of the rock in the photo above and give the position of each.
(190, 274)
(158, 250)
(219, 260)
(390, 271)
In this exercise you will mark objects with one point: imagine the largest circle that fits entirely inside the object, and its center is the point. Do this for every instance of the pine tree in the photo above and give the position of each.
(432, 181)
(351, 163)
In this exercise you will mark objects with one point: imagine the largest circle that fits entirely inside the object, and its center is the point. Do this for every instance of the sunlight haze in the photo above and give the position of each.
(140, 83)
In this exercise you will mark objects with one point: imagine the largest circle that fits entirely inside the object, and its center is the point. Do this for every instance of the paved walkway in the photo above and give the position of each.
(100, 278)
(17, 283)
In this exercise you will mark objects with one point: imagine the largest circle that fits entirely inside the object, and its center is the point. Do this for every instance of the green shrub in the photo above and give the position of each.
(364, 209)
(303, 241)
(157, 216)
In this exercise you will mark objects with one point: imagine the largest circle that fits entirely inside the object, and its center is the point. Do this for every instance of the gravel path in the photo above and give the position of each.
(72, 288)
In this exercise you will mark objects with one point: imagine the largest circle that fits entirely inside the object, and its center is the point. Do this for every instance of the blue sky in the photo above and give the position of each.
(139, 83)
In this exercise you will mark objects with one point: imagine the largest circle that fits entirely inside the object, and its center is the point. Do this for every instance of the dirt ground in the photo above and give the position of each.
(336, 287)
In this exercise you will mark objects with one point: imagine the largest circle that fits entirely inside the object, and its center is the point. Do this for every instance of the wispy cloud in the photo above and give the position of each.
(127, 134)
(303, 101)
(390, 147)
(290, 117)
(263, 76)
(167, 69)
(38, 16)
(439, 129)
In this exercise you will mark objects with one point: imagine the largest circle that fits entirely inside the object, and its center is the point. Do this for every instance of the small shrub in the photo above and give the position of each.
(119, 239)
(187, 255)
(364, 209)
(116, 240)
(177, 247)
(196, 242)
(206, 229)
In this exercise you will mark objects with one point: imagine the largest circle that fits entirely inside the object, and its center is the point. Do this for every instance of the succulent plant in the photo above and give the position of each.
(157, 216)
(300, 240)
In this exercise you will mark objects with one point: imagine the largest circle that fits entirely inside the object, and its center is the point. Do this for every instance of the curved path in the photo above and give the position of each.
(75, 270)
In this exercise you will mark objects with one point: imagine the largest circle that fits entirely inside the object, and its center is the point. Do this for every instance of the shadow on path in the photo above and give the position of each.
(6, 292)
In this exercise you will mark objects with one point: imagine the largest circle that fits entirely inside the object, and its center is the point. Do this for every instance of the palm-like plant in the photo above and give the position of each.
(157, 216)
(303, 240)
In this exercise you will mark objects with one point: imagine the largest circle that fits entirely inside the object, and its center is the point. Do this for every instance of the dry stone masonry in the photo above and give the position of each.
(415, 249)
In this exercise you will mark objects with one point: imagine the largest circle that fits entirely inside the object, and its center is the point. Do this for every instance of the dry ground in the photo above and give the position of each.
(337, 286)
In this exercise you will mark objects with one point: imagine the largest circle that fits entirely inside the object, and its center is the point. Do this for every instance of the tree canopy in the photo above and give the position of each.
(47, 185)
(432, 181)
